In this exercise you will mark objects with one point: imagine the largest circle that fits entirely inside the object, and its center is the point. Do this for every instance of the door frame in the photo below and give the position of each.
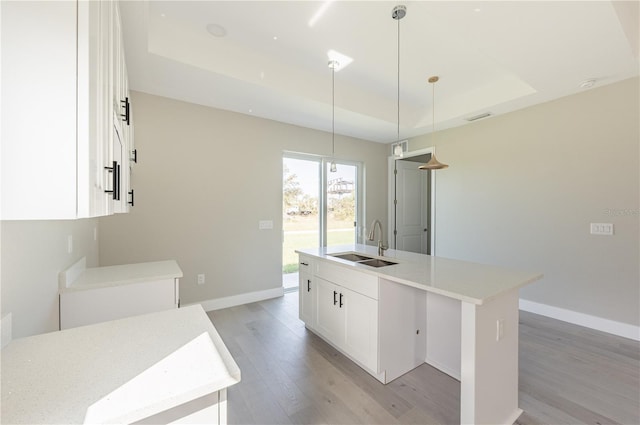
(323, 161)
(392, 196)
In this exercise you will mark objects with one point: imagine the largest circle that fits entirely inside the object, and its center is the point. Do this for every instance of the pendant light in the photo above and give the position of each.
(333, 65)
(398, 13)
(433, 163)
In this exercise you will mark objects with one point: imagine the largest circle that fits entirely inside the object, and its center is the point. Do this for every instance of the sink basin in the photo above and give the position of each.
(376, 262)
(350, 256)
(363, 259)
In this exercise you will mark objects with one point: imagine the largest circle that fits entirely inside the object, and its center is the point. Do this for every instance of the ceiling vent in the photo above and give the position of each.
(478, 117)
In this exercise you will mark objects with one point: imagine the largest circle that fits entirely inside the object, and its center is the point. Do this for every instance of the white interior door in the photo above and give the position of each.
(411, 207)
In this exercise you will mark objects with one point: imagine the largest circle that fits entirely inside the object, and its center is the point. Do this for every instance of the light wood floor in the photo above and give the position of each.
(568, 375)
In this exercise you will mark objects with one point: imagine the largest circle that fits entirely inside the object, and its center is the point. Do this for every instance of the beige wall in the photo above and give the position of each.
(522, 189)
(205, 178)
(33, 253)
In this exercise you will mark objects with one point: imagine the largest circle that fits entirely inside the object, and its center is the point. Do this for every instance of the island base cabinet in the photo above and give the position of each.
(361, 328)
(403, 326)
(348, 320)
(306, 292)
(330, 316)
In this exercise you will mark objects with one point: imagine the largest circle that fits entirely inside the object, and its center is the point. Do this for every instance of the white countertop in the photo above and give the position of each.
(462, 280)
(78, 277)
(115, 372)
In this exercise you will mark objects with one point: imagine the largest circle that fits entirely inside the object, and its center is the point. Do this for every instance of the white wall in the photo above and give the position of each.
(205, 178)
(33, 253)
(522, 189)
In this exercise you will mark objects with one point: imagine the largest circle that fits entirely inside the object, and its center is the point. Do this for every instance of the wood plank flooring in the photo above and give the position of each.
(568, 375)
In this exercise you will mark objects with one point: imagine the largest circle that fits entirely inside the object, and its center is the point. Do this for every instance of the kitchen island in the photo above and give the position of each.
(458, 316)
(155, 368)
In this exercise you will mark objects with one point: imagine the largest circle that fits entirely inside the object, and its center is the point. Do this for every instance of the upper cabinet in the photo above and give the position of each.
(66, 112)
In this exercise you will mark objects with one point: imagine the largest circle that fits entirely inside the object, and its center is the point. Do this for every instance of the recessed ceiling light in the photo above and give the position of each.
(216, 30)
(163, 15)
(275, 37)
(477, 9)
(342, 59)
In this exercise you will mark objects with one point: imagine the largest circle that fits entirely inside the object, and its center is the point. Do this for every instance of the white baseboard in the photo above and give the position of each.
(234, 300)
(443, 368)
(593, 322)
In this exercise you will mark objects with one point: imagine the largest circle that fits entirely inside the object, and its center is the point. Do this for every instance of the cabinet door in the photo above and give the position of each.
(38, 120)
(361, 328)
(306, 291)
(329, 314)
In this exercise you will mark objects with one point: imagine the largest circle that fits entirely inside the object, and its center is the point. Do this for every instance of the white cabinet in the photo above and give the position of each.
(96, 305)
(330, 316)
(121, 103)
(361, 328)
(100, 294)
(378, 324)
(307, 291)
(347, 313)
(57, 110)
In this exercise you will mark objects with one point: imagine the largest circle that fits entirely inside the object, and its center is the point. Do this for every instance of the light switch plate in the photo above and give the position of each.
(265, 224)
(602, 229)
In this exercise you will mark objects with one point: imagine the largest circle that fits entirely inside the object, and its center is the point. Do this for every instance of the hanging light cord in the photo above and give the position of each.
(398, 130)
(333, 110)
(433, 110)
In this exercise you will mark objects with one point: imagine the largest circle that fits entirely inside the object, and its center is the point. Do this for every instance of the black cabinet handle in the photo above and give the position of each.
(125, 105)
(131, 202)
(341, 300)
(114, 179)
(308, 285)
(135, 156)
(334, 298)
(304, 264)
(117, 188)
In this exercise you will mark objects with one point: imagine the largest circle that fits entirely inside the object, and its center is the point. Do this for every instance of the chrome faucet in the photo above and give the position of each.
(372, 233)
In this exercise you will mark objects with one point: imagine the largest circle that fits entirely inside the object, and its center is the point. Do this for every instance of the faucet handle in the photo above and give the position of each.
(382, 248)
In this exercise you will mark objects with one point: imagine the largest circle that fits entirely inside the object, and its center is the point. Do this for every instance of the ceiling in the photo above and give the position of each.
(490, 56)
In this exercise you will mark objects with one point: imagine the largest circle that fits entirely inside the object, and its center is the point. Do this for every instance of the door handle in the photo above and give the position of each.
(334, 298)
(341, 300)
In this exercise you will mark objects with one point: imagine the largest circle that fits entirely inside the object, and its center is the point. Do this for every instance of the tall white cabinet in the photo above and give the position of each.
(64, 85)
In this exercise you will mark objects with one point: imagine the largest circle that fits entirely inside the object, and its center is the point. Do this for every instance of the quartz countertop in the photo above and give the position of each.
(462, 280)
(115, 372)
(78, 277)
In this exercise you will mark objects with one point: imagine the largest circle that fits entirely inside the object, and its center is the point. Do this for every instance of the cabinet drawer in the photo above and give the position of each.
(354, 280)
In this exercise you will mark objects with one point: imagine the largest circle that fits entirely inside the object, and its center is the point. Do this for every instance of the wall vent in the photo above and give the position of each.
(479, 117)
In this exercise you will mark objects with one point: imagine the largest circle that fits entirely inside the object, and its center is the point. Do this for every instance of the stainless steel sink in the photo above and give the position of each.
(376, 262)
(363, 259)
(350, 256)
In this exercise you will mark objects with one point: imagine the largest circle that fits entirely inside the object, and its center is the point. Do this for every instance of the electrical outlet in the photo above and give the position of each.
(602, 229)
(201, 279)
